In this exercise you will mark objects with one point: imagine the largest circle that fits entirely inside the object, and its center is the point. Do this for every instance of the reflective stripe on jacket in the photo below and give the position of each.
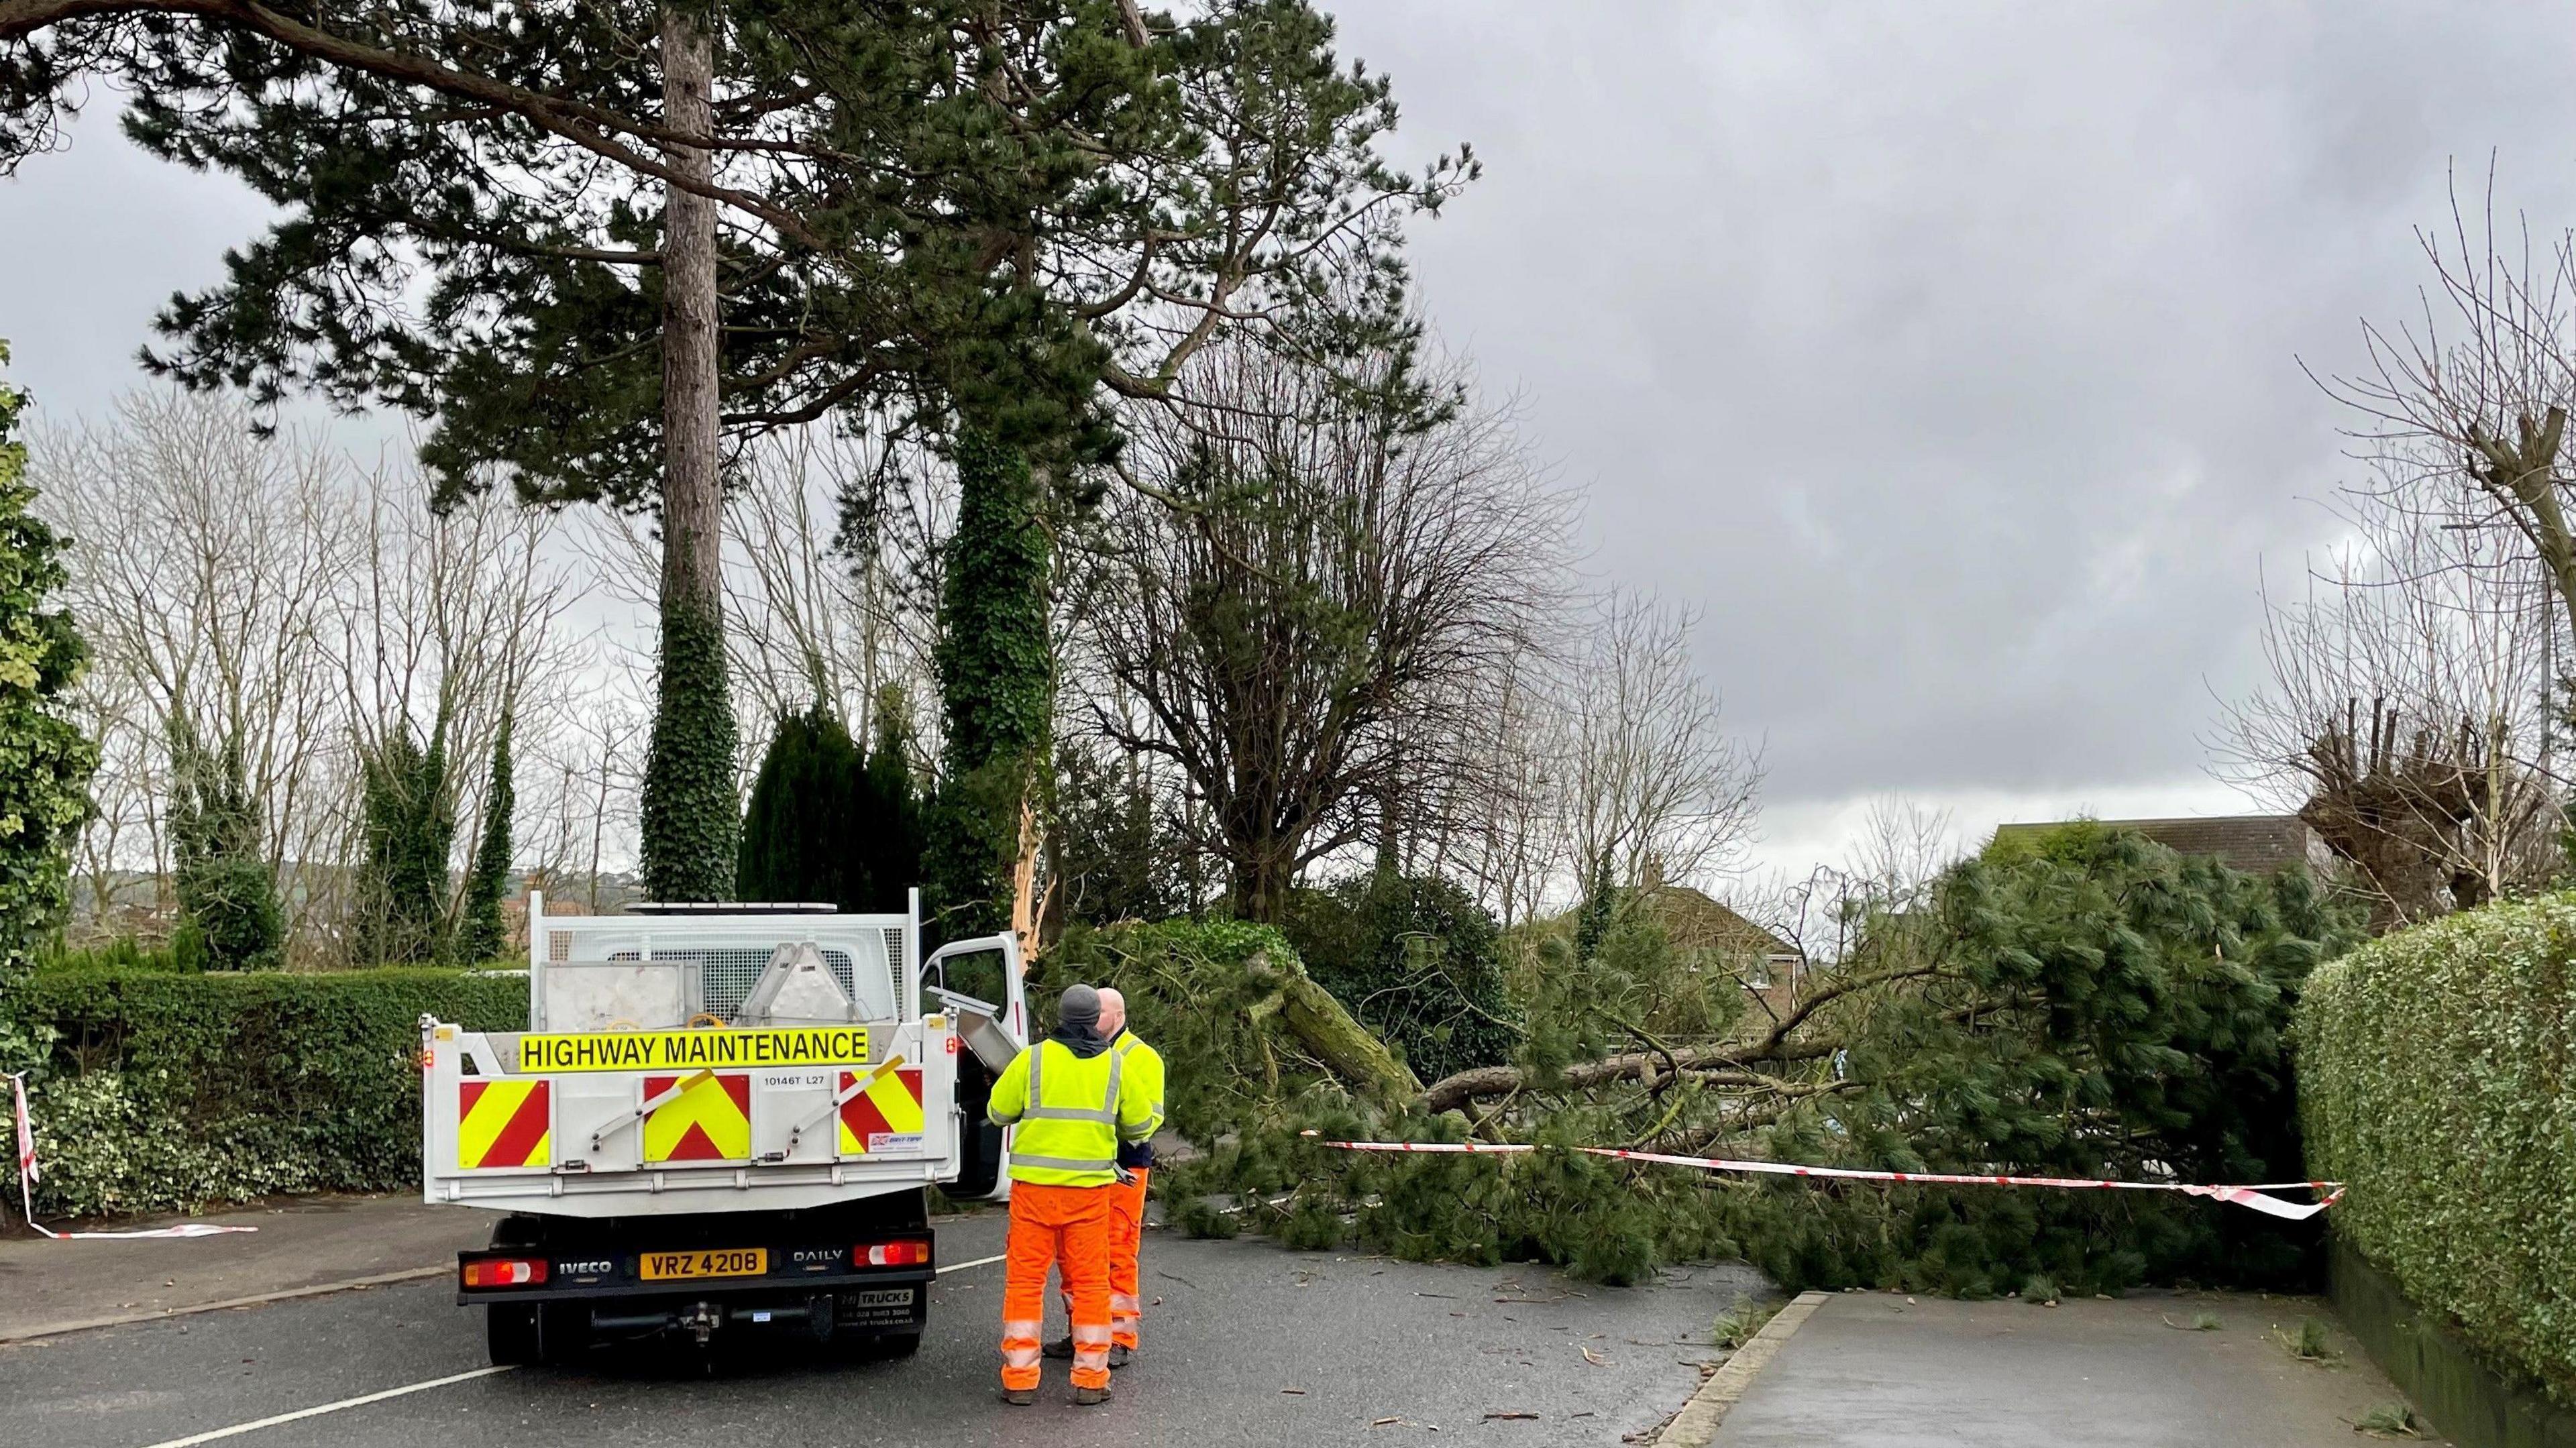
(1071, 1114)
(1145, 1078)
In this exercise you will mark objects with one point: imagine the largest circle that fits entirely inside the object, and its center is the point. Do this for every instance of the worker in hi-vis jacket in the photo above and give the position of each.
(1072, 1102)
(1142, 1070)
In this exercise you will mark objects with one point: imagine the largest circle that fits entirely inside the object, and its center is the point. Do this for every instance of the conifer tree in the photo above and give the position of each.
(483, 934)
(992, 212)
(799, 840)
(889, 819)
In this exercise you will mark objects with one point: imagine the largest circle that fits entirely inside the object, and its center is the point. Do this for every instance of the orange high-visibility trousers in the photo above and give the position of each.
(1067, 1228)
(1126, 1238)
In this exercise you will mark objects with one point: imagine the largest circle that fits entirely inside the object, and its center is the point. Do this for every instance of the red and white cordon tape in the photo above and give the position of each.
(2255, 1196)
(29, 1173)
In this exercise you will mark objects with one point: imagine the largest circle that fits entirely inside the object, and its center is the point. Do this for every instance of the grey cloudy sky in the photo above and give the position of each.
(1946, 355)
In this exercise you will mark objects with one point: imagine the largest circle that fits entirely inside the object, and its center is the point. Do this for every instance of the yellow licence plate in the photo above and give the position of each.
(734, 1262)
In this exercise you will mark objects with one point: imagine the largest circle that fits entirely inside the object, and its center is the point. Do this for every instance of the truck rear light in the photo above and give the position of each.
(892, 1254)
(506, 1272)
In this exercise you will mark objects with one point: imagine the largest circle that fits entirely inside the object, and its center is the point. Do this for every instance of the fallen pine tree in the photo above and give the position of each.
(2090, 1005)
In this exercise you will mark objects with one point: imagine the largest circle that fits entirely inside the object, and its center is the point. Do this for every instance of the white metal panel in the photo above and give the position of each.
(601, 995)
(593, 1115)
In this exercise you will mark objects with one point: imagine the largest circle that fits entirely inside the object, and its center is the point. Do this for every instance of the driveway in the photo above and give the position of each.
(1248, 1345)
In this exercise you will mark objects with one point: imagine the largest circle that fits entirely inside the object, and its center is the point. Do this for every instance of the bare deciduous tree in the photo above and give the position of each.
(2407, 719)
(450, 624)
(1654, 787)
(206, 569)
(2465, 406)
(829, 575)
(263, 592)
(1311, 592)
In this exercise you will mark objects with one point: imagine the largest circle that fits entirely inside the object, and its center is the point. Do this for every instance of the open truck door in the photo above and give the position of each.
(979, 983)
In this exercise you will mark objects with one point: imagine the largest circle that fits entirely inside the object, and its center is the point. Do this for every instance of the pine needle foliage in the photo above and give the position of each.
(2093, 1006)
(2090, 1005)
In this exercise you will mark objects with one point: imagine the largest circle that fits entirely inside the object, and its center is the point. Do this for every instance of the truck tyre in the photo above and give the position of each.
(510, 1332)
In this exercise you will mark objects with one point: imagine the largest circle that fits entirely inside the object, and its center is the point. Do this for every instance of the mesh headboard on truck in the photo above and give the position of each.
(867, 954)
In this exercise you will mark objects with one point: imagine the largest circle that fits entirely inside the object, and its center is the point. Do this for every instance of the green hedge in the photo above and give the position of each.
(2435, 1082)
(161, 1091)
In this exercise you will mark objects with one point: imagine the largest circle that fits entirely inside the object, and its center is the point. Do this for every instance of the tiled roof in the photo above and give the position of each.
(1696, 921)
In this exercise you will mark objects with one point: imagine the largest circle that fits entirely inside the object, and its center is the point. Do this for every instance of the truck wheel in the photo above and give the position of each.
(510, 1332)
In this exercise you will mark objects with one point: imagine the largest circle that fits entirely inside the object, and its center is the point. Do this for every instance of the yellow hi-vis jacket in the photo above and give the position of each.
(1071, 1114)
(1144, 1071)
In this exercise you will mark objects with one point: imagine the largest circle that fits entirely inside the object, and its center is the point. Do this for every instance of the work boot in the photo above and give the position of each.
(1118, 1356)
(1060, 1348)
(1089, 1397)
(1019, 1397)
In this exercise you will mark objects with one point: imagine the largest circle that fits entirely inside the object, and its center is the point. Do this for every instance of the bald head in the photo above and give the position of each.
(1113, 1013)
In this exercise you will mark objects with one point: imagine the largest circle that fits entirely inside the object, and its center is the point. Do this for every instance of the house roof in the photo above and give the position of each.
(1698, 922)
(2255, 844)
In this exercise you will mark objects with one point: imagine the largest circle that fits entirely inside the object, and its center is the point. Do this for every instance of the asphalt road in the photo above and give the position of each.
(1248, 1345)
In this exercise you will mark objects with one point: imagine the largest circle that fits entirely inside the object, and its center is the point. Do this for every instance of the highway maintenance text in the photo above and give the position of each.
(656, 1050)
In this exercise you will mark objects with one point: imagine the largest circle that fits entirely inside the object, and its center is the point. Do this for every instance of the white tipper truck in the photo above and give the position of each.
(720, 1119)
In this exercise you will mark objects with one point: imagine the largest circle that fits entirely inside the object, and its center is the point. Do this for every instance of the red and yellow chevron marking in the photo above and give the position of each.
(890, 1106)
(504, 1123)
(710, 1120)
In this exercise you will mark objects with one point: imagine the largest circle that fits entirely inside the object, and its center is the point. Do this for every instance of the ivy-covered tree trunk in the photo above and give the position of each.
(483, 934)
(996, 687)
(410, 828)
(229, 914)
(690, 814)
(45, 763)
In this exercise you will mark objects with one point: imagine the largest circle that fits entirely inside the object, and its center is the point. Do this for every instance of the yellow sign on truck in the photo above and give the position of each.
(675, 1050)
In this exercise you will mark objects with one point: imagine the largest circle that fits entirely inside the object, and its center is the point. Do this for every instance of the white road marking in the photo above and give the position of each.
(238, 1428)
(359, 1402)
